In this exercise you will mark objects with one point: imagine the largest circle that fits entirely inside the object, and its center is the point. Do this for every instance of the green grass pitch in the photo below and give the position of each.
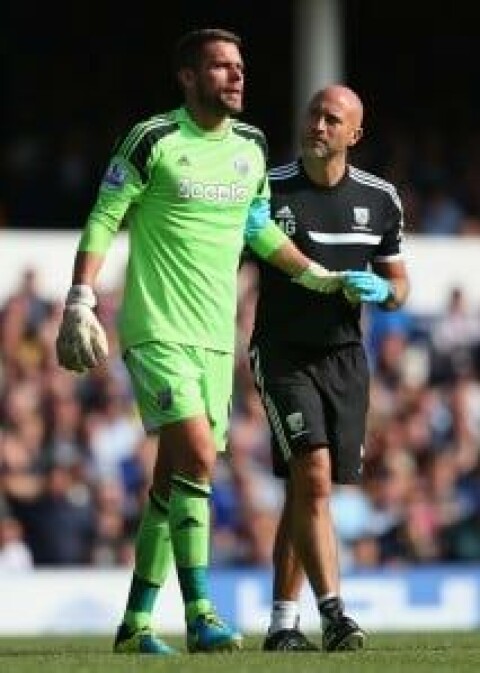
(384, 653)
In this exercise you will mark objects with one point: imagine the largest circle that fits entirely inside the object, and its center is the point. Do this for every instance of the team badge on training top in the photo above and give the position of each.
(361, 216)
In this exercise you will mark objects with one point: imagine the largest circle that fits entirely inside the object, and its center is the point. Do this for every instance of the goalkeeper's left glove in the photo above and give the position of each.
(81, 342)
(366, 286)
(316, 277)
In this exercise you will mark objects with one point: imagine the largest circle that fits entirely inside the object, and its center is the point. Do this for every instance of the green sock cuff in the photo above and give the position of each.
(137, 620)
(190, 487)
(141, 601)
(195, 608)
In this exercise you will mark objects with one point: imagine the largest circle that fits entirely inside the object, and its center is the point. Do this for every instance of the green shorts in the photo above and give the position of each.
(172, 382)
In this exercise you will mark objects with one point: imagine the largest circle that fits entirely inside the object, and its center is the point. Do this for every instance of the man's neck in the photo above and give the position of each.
(207, 120)
(325, 173)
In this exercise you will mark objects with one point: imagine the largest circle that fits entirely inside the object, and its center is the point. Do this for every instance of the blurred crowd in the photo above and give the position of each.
(49, 180)
(75, 464)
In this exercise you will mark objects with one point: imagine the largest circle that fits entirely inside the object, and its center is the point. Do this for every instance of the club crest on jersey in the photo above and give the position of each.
(242, 166)
(361, 216)
(115, 176)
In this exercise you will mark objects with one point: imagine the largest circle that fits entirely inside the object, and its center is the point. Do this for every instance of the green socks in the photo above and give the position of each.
(186, 520)
(190, 531)
(153, 559)
(140, 603)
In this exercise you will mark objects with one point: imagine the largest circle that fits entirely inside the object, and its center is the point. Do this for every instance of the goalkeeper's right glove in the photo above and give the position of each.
(81, 342)
(316, 277)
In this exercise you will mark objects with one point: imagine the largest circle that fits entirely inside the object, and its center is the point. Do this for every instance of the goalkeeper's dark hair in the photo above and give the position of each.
(188, 51)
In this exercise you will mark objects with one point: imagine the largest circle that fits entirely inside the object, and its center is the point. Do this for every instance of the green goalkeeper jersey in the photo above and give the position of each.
(184, 194)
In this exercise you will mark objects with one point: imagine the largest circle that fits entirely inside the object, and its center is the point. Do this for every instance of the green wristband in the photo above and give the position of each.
(268, 240)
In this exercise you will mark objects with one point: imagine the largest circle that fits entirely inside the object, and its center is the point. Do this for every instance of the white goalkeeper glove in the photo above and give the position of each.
(81, 342)
(316, 277)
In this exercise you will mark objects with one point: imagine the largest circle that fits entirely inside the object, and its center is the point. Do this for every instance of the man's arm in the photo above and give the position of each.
(396, 274)
(272, 245)
(289, 258)
(82, 342)
(388, 285)
(86, 267)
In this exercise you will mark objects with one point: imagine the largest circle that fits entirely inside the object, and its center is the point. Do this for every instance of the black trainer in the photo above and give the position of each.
(343, 634)
(288, 640)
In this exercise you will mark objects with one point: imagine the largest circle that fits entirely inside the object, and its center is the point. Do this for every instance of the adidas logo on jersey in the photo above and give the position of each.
(284, 211)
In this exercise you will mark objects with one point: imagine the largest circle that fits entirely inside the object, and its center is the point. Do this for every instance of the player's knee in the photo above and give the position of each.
(197, 465)
(311, 477)
(314, 486)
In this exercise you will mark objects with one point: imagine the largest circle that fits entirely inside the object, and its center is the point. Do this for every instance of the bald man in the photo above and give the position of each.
(308, 359)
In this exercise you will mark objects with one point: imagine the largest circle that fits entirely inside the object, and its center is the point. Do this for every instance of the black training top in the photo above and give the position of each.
(347, 226)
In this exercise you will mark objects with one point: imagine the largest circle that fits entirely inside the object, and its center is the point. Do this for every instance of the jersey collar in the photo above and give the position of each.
(305, 176)
(185, 118)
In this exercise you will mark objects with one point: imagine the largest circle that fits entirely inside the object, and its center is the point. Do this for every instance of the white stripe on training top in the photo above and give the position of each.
(345, 239)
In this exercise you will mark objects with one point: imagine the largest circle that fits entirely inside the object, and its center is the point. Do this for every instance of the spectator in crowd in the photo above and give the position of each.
(59, 523)
(456, 337)
(14, 552)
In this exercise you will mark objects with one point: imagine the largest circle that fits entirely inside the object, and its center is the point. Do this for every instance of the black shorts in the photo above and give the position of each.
(314, 398)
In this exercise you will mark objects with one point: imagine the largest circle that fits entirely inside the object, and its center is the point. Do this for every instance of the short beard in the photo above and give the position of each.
(314, 153)
(218, 106)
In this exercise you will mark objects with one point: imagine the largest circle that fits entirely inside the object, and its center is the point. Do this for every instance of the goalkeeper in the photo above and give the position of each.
(185, 183)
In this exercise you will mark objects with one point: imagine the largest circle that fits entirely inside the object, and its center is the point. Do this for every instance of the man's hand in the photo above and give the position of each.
(81, 342)
(316, 277)
(366, 286)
